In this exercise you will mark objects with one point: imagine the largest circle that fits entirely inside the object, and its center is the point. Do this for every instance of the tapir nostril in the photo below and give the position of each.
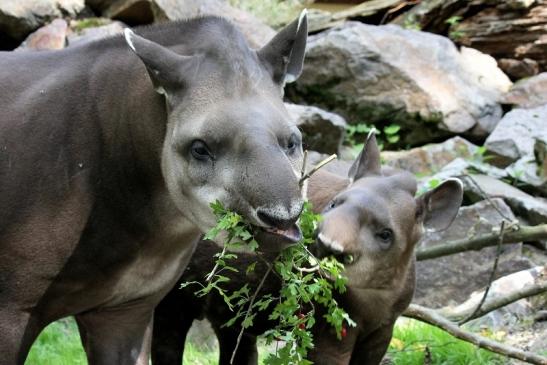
(274, 221)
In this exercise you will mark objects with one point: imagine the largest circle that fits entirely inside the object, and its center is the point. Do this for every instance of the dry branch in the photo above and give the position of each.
(523, 233)
(432, 317)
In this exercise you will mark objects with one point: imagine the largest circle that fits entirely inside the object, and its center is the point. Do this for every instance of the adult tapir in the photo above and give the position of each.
(110, 154)
(371, 222)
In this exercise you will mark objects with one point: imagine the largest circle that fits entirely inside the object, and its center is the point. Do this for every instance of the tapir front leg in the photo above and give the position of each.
(120, 336)
(371, 350)
(18, 330)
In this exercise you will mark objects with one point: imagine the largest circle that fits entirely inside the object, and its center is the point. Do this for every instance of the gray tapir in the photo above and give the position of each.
(372, 222)
(110, 154)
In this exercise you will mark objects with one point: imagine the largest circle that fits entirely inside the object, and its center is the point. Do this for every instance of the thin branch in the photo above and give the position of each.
(432, 317)
(496, 303)
(523, 233)
(485, 196)
(316, 167)
(249, 310)
(209, 276)
(491, 278)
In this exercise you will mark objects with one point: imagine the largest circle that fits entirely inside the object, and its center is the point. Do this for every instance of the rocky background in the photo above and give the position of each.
(455, 88)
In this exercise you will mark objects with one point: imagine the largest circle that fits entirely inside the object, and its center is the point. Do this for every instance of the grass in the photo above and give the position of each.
(59, 344)
(412, 340)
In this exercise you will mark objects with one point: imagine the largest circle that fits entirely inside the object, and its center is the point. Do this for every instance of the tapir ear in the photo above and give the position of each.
(368, 161)
(284, 54)
(165, 67)
(437, 208)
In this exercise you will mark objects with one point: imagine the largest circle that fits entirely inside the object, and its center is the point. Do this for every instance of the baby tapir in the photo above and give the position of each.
(372, 222)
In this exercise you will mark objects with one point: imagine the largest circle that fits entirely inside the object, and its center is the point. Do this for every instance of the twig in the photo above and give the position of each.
(316, 167)
(491, 278)
(209, 276)
(249, 308)
(485, 196)
(523, 233)
(434, 318)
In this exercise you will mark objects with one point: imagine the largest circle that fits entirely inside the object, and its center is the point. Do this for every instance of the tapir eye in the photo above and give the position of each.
(385, 236)
(200, 151)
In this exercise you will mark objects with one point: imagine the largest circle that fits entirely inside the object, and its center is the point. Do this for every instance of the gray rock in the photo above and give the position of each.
(528, 93)
(518, 69)
(101, 28)
(322, 131)
(50, 36)
(451, 279)
(515, 134)
(19, 18)
(431, 158)
(533, 209)
(416, 79)
(508, 316)
(529, 175)
(459, 168)
(139, 12)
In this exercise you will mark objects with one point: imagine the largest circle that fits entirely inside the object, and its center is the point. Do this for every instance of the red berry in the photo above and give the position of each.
(301, 315)
(343, 332)
(302, 326)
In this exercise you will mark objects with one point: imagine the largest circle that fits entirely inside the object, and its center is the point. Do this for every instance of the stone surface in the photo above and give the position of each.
(532, 208)
(421, 81)
(50, 36)
(322, 131)
(528, 93)
(429, 159)
(515, 134)
(508, 32)
(506, 317)
(529, 175)
(19, 18)
(504, 29)
(83, 31)
(147, 11)
(451, 279)
(518, 69)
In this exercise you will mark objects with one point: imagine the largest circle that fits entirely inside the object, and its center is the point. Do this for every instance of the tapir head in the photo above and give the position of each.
(229, 137)
(374, 224)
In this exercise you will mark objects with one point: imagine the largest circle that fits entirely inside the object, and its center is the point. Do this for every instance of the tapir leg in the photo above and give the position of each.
(246, 354)
(118, 336)
(171, 325)
(371, 350)
(18, 330)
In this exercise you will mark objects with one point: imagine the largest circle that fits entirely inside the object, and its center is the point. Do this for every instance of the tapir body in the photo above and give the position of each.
(110, 154)
(372, 222)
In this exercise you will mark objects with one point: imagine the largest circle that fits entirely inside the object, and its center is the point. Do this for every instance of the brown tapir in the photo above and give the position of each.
(110, 155)
(372, 222)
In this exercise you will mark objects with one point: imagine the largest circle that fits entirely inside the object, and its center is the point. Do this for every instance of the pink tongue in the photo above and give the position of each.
(294, 234)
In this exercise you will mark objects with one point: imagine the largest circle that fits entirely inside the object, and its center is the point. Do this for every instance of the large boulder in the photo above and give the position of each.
(528, 93)
(515, 135)
(50, 36)
(147, 11)
(322, 131)
(451, 279)
(532, 208)
(429, 159)
(19, 18)
(386, 74)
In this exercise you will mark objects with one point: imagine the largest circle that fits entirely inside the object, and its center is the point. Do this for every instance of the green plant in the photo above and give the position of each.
(295, 306)
(392, 133)
(411, 23)
(453, 22)
(413, 341)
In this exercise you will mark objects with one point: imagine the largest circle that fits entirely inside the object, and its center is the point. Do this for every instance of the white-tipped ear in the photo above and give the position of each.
(284, 54)
(437, 208)
(128, 33)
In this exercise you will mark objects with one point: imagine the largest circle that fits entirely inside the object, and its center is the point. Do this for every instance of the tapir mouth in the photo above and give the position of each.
(292, 234)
